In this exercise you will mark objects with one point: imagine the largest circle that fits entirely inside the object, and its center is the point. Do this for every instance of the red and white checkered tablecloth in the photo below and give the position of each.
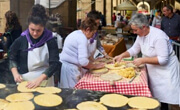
(138, 87)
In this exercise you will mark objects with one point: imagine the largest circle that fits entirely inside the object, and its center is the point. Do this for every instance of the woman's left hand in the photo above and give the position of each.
(138, 61)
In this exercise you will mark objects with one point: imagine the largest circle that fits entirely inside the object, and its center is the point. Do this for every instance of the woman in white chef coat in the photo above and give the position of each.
(158, 55)
(75, 56)
(34, 56)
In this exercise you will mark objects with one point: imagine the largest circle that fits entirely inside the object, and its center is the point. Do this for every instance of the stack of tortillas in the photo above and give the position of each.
(143, 103)
(114, 100)
(90, 105)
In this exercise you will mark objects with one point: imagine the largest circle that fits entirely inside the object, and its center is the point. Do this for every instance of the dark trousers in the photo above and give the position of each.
(164, 106)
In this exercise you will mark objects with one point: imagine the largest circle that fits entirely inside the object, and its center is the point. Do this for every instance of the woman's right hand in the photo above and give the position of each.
(117, 58)
(17, 77)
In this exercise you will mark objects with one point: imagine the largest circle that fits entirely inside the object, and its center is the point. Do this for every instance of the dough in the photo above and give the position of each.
(99, 71)
(90, 105)
(22, 87)
(111, 77)
(114, 67)
(114, 100)
(48, 90)
(143, 103)
(48, 100)
(3, 104)
(19, 97)
(2, 86)
(26, 105)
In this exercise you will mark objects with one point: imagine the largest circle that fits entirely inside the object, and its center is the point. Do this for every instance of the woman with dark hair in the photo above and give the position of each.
(13, 28)
(34, 56)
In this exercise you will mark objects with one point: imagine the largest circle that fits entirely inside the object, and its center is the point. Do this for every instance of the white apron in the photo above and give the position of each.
(91, 48)
(164, 80)
(38, 60)
(70, 75)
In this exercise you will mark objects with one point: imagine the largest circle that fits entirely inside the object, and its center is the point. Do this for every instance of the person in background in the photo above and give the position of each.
(114, 18)
(34, 56)
(157, 20)
(74, 56)
(94, 42)
(171, 23)
(13, 29)
(158, 55)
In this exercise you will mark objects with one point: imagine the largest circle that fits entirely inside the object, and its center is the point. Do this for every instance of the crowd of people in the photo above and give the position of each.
(34, 56)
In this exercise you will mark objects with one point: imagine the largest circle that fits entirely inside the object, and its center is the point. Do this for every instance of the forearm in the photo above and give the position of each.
(14, 71)
(152, 60)
(53, 68)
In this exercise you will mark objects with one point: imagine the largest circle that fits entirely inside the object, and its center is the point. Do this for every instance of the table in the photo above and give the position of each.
(71, 97)
(139, 87)
(114, 50)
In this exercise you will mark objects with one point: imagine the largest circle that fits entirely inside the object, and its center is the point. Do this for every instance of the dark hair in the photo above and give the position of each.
(38, 15)
(89, 23)
(159, 11)
(169, 7)
(11, 21)
(94, 15)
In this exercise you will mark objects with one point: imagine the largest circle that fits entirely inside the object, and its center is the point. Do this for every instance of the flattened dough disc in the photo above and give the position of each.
(3, 104)
(48, 100)
(22, 87)
(114, 100)
(90, 105)
(16, 97)
(2, 86)
(26, 105)
(143, 103)
(48, 90)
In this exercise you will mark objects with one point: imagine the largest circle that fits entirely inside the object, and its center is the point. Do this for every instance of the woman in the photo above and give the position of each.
(34, 56)
(157, 20)
(158, 55)
(74, 56)
(13, 28)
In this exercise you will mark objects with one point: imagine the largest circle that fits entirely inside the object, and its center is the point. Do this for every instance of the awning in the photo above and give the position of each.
(126, 5)
(49, 3)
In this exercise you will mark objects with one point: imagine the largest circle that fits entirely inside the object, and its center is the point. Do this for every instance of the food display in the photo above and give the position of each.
(16, 97)
(143, 103)
(114, 100)
(91, 105)
(48, 100)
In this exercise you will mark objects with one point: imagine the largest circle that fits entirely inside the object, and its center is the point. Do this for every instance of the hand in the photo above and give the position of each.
(100, 65)
(17, 77)
(117, 58)
(35, 83)
(138, 61)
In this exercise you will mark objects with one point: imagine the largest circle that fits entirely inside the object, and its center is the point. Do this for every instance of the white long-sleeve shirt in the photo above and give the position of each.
(158, 42)
(75, 49)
